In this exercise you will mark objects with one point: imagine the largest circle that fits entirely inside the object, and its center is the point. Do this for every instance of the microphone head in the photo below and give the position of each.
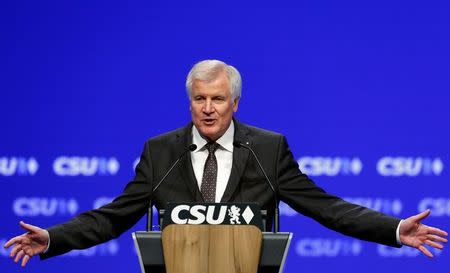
(192, 147)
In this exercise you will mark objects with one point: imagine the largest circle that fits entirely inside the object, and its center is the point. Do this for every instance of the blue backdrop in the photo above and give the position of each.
(359, 88)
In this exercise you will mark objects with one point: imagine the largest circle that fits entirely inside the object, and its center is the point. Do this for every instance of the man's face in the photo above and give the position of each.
(212, 106)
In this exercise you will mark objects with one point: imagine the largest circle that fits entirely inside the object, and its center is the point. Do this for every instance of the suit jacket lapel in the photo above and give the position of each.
(186, 172)
(240, 156)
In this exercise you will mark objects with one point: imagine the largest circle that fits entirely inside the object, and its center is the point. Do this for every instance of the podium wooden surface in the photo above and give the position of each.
(211, 248)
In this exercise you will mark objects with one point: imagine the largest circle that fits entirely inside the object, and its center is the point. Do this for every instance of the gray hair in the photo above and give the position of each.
(208, 70)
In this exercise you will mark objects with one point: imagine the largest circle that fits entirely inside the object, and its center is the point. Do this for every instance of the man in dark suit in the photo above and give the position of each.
(220, 171)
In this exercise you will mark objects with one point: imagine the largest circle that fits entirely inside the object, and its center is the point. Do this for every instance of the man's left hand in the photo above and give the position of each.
(415, 234)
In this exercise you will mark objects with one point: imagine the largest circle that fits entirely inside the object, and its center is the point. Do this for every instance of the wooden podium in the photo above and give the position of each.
(210, 248)
(218, 242)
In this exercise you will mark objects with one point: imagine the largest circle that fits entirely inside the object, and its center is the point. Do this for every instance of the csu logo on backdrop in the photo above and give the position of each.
(85, 166)
(10, 166)
(324, 247)
(42, 206)
(409, 166)
(384, 205)
(440, 207)
(330, 166)
(404, 252)
(110, 248)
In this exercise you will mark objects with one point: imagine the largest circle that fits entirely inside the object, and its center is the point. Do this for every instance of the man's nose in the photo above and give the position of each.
(208, 107)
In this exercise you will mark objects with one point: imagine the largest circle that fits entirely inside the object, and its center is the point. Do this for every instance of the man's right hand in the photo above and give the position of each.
(34, 242)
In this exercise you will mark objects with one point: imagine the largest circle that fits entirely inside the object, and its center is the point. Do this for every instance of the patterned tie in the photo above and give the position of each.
(208, 187)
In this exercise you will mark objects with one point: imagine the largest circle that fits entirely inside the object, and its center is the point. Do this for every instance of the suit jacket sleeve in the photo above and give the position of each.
(108, 222)
(300, 192)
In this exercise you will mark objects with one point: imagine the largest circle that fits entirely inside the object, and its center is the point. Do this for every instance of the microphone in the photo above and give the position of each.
(189, 148)
(276, 224)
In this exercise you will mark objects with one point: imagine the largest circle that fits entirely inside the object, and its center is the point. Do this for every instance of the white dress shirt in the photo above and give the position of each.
(224, 156)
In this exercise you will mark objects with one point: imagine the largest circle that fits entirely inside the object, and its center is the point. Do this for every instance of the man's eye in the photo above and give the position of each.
(198, 98)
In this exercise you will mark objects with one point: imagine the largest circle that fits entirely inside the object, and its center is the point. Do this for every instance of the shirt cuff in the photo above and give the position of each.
(397, 233)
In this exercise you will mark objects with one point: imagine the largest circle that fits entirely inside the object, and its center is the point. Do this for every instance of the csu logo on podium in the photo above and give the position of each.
(10, 166)
(201, 214)
(85, 166)
(213, 214)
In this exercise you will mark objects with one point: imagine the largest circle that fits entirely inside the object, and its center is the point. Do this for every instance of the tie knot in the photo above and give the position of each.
(212, 147)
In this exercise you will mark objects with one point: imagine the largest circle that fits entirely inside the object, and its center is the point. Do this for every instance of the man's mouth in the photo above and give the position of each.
(209, 121)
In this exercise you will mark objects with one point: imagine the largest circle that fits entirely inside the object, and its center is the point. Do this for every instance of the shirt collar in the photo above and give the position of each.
(225, 141)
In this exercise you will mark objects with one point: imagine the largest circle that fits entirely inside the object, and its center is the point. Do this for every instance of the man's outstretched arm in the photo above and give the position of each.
(92, 227)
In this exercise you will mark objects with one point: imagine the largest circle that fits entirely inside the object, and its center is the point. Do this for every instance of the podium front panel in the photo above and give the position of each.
(275, 247)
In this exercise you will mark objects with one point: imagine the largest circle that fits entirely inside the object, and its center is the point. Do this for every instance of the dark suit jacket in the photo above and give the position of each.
(246, 184)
